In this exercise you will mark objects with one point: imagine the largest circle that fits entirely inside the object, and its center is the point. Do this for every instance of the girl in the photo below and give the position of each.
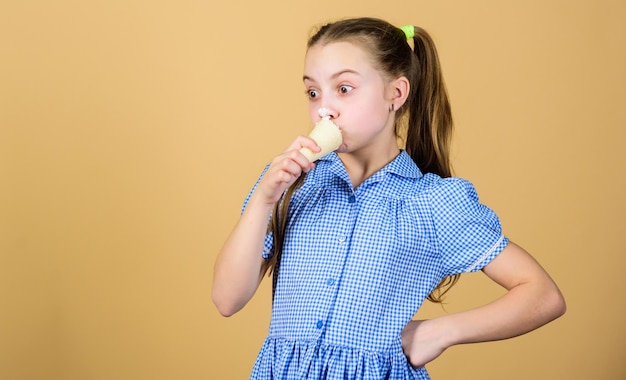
(357, 240)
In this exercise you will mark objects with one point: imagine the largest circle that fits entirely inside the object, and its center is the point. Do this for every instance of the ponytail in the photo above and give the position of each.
(430, 124)
(430, 118)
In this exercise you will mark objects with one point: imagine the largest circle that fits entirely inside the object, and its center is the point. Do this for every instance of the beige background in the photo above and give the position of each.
(131, 131)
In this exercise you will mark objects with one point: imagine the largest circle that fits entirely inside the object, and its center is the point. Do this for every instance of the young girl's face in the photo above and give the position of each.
(340, 79)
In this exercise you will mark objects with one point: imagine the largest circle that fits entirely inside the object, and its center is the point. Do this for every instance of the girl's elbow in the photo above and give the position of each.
(561, 306)
(224, 306)
(556, 304)
(225, 310)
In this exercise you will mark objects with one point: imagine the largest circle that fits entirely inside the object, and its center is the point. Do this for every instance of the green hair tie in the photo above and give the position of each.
(409, 31)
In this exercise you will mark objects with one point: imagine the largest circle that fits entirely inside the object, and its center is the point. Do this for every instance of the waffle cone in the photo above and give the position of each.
(327, 135)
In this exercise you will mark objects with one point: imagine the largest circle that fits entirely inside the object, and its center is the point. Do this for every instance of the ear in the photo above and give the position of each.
(398, 91)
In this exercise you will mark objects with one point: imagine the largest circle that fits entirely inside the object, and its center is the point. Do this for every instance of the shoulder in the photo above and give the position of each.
(449, 196)
(450, 188)
(441, 189)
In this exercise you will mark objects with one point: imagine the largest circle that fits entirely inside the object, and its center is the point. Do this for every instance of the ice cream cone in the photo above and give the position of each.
(327, 135)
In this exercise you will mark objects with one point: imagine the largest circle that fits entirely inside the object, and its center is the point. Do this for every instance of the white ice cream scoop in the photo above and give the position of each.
(324, 112)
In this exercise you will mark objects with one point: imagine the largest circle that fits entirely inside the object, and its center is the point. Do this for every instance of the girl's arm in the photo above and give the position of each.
(531, 301)
(239, 267)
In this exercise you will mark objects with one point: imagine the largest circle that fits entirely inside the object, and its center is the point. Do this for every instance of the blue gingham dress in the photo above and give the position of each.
(358, 263)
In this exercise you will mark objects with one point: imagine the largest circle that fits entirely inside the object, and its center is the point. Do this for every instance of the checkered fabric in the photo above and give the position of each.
(358, 263)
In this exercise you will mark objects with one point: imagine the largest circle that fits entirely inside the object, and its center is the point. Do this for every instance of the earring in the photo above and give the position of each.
(393, 107)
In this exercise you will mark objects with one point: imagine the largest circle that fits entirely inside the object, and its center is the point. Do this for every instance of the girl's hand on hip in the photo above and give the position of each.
(285, 169)
(422, 342)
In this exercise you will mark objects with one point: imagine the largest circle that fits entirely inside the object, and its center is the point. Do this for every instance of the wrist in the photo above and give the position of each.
(258, 201)
(447, 331)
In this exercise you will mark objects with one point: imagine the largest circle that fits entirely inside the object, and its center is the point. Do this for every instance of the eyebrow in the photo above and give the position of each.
(336, 75)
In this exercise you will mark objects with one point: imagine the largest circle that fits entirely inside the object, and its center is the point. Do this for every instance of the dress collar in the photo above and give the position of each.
(403, 166)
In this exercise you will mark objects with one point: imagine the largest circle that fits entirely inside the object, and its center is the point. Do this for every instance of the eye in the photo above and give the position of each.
(344, 89)
(312, 94)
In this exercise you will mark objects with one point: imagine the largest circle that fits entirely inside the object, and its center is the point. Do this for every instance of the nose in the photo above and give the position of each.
(324, 112)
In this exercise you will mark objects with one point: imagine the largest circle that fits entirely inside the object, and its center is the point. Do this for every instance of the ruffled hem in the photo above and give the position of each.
(284, 359)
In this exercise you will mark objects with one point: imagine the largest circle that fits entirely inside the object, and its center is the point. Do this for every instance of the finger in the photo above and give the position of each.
(288, 167)
(304, 142)
(299, 159)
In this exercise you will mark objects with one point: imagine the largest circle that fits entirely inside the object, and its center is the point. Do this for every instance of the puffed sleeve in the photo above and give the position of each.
(469, 234)
(268, 244)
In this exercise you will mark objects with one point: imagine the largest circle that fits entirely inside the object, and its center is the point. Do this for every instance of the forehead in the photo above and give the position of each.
(336, 56)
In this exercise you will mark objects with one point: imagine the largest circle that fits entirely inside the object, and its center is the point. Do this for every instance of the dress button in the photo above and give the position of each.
(351, 199)
(330, 281)
(319, 324)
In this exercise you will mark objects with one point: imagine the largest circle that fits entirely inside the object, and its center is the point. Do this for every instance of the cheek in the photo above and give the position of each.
(313, 114)
(366, 122)
(370, 116)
